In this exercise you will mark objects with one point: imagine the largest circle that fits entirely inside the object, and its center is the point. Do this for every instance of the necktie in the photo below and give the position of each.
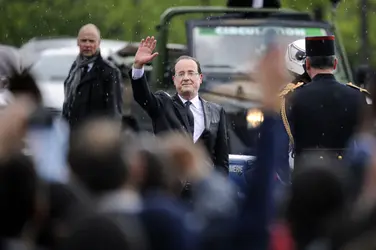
(84, 71)
(191, 121)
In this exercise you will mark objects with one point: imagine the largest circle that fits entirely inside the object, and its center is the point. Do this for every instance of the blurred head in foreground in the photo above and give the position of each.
(317, 195)
(96, 155)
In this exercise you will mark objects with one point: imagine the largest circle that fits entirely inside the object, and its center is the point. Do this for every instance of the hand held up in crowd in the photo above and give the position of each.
(272, 76)
(145, 53)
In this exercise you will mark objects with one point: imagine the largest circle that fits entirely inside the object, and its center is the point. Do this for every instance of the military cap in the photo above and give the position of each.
(320, 46)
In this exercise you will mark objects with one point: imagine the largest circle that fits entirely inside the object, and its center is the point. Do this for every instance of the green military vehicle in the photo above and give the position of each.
(228, 43)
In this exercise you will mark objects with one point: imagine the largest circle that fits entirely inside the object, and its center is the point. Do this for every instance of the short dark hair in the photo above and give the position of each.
(96, 157)
(184, 57)
(322, 62)
(24, 83)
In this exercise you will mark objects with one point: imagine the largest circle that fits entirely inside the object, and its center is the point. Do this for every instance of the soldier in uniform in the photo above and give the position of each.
(323, 114)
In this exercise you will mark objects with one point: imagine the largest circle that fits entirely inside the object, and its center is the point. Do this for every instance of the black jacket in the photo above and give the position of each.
(98, 94)
(324, 114)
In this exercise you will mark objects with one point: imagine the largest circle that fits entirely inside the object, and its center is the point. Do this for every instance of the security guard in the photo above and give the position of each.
(322, 115)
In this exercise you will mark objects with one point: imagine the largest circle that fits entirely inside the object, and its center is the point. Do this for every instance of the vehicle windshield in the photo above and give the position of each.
(236, 49)
(53, 67)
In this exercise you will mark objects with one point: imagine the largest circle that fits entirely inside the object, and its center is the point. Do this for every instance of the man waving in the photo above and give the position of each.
(186, 110)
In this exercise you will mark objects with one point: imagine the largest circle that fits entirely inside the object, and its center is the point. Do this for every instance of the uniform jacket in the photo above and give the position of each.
(324, 114)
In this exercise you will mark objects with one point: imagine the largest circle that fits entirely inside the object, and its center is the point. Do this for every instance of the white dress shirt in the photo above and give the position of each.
(196, 107)
(89, 67)
(198, 116)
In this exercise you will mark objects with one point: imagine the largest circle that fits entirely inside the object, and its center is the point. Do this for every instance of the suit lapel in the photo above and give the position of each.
(207, 113)
(180, 110)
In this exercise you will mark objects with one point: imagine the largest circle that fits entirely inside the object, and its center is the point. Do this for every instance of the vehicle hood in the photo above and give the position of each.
(233, 95)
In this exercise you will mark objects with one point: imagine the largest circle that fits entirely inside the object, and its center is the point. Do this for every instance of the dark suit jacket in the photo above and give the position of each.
(168, 113)
(99, 93)
(324, 114)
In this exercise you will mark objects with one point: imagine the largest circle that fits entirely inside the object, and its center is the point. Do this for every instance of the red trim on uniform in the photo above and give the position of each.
(316, 38)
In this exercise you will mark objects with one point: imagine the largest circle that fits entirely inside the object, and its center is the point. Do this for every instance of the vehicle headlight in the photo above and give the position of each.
(254, 118)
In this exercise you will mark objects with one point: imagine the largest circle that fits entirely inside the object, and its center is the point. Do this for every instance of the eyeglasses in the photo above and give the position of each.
(189, 74)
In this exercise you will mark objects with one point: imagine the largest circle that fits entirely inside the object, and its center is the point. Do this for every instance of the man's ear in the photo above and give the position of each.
(335, 63)
(307, 64)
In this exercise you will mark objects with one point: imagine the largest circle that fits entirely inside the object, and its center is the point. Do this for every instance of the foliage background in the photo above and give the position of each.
(21, 20)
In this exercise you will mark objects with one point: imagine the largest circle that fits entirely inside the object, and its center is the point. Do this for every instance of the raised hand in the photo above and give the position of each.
(145, 53)
(272, 76)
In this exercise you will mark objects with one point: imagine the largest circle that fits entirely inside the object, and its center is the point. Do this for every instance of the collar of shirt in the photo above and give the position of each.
(195, 101)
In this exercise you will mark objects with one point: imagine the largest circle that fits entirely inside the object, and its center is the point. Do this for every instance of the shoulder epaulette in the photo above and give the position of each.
(290, 88)
(350, 84)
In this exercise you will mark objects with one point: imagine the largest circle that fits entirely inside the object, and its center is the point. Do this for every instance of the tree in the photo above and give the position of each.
(133, 19)
(26, 19)
(117, 19)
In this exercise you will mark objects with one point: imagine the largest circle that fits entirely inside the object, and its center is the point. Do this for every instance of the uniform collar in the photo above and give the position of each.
(195, 101)
(319, 77)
